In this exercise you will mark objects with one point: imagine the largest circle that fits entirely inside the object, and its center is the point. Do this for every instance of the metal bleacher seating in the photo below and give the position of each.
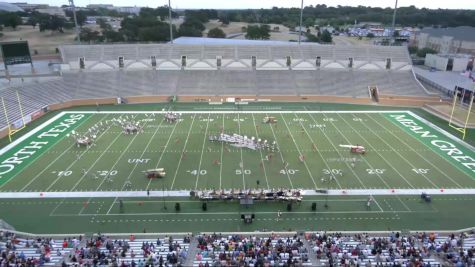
(34, 251)
(338, 80)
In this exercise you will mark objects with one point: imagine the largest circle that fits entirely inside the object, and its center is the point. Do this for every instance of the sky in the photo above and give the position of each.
(244, 4)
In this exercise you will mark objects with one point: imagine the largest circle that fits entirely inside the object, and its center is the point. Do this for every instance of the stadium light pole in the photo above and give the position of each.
(394, 20)
(301, 18)
(170, 20)
(71, 3)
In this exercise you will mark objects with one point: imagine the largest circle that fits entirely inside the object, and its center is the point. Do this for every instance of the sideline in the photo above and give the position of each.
(186, 193)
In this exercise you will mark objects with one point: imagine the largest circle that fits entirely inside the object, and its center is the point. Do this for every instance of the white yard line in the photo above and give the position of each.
(241, 166)
(221, 162)
(379, 206)
(60, 157)
(55, 208)
(435, 166)
(380, 155)
(402, 202)
(338, 130)
(320, 154)
(112, 205)
(163, 152)
(119, 158)
(113, 166)
(143, 153)
(405, 159)
(260, 152)
(82, 153)
(183, 150)
(300, 153)
(95, 162)
(281, 156)
(202, 151)
(338, 152)
(136, 164)
(49, 165)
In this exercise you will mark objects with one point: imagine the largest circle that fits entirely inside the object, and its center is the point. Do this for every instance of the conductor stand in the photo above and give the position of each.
(425, 197)
(247, 202)
(247, 218)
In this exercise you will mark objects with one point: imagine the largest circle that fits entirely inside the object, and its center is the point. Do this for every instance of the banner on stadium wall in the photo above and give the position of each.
(27, 119)
(17, 124)
(35, 115)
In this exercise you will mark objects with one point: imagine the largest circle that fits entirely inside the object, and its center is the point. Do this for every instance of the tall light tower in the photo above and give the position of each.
(301, 18)
(169, 20)
(71, 4)
(394, 20)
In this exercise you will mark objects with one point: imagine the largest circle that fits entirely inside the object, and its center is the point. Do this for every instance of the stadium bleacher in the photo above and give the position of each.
(364, 53)
(242, 249)
(334, 78)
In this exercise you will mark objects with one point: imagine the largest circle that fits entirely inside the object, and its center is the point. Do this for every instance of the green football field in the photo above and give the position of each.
(45, 174)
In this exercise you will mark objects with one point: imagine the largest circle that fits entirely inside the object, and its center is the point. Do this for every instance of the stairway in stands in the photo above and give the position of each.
(312, 257)
(192, 250)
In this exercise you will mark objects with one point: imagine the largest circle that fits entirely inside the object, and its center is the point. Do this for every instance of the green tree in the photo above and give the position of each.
(309, 22)
(312, 38)
(192, 27)
(412, 49)
(53, 23)
(81, 16)
(103, 24)
(326, 37)
(157, 33)
(33, 21)
(88, 35)
(216, 33)
(253, 32)
(224, 20)
(111, 36)
(11, 20)
(256, 32)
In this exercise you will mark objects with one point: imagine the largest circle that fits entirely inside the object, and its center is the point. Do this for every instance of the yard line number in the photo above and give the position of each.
(332, 172)
(240, 172)
(375, 171)
(288, 171)
(196, 172)
(420, 171)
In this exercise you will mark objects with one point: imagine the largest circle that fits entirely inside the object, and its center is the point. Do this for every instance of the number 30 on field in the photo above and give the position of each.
(421, 171)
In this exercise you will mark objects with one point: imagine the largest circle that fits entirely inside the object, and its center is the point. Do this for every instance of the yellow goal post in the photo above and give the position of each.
(459, 104)
(21, 121)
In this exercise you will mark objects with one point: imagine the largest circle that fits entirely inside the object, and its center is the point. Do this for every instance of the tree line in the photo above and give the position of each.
(346, 15)
(151, 24)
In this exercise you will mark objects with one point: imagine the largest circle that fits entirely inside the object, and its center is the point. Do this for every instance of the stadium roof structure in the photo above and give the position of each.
(4, 6)
(462, 33)
(224, 41)
(446, 79)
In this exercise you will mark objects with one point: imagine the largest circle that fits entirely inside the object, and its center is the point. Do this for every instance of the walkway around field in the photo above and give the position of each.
(186, 193)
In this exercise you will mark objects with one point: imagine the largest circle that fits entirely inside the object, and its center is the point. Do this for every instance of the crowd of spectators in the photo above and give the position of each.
(335, 249)
(456, 249)
(17, 251)
(239, 250)
(105, 251)
(368, 250)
